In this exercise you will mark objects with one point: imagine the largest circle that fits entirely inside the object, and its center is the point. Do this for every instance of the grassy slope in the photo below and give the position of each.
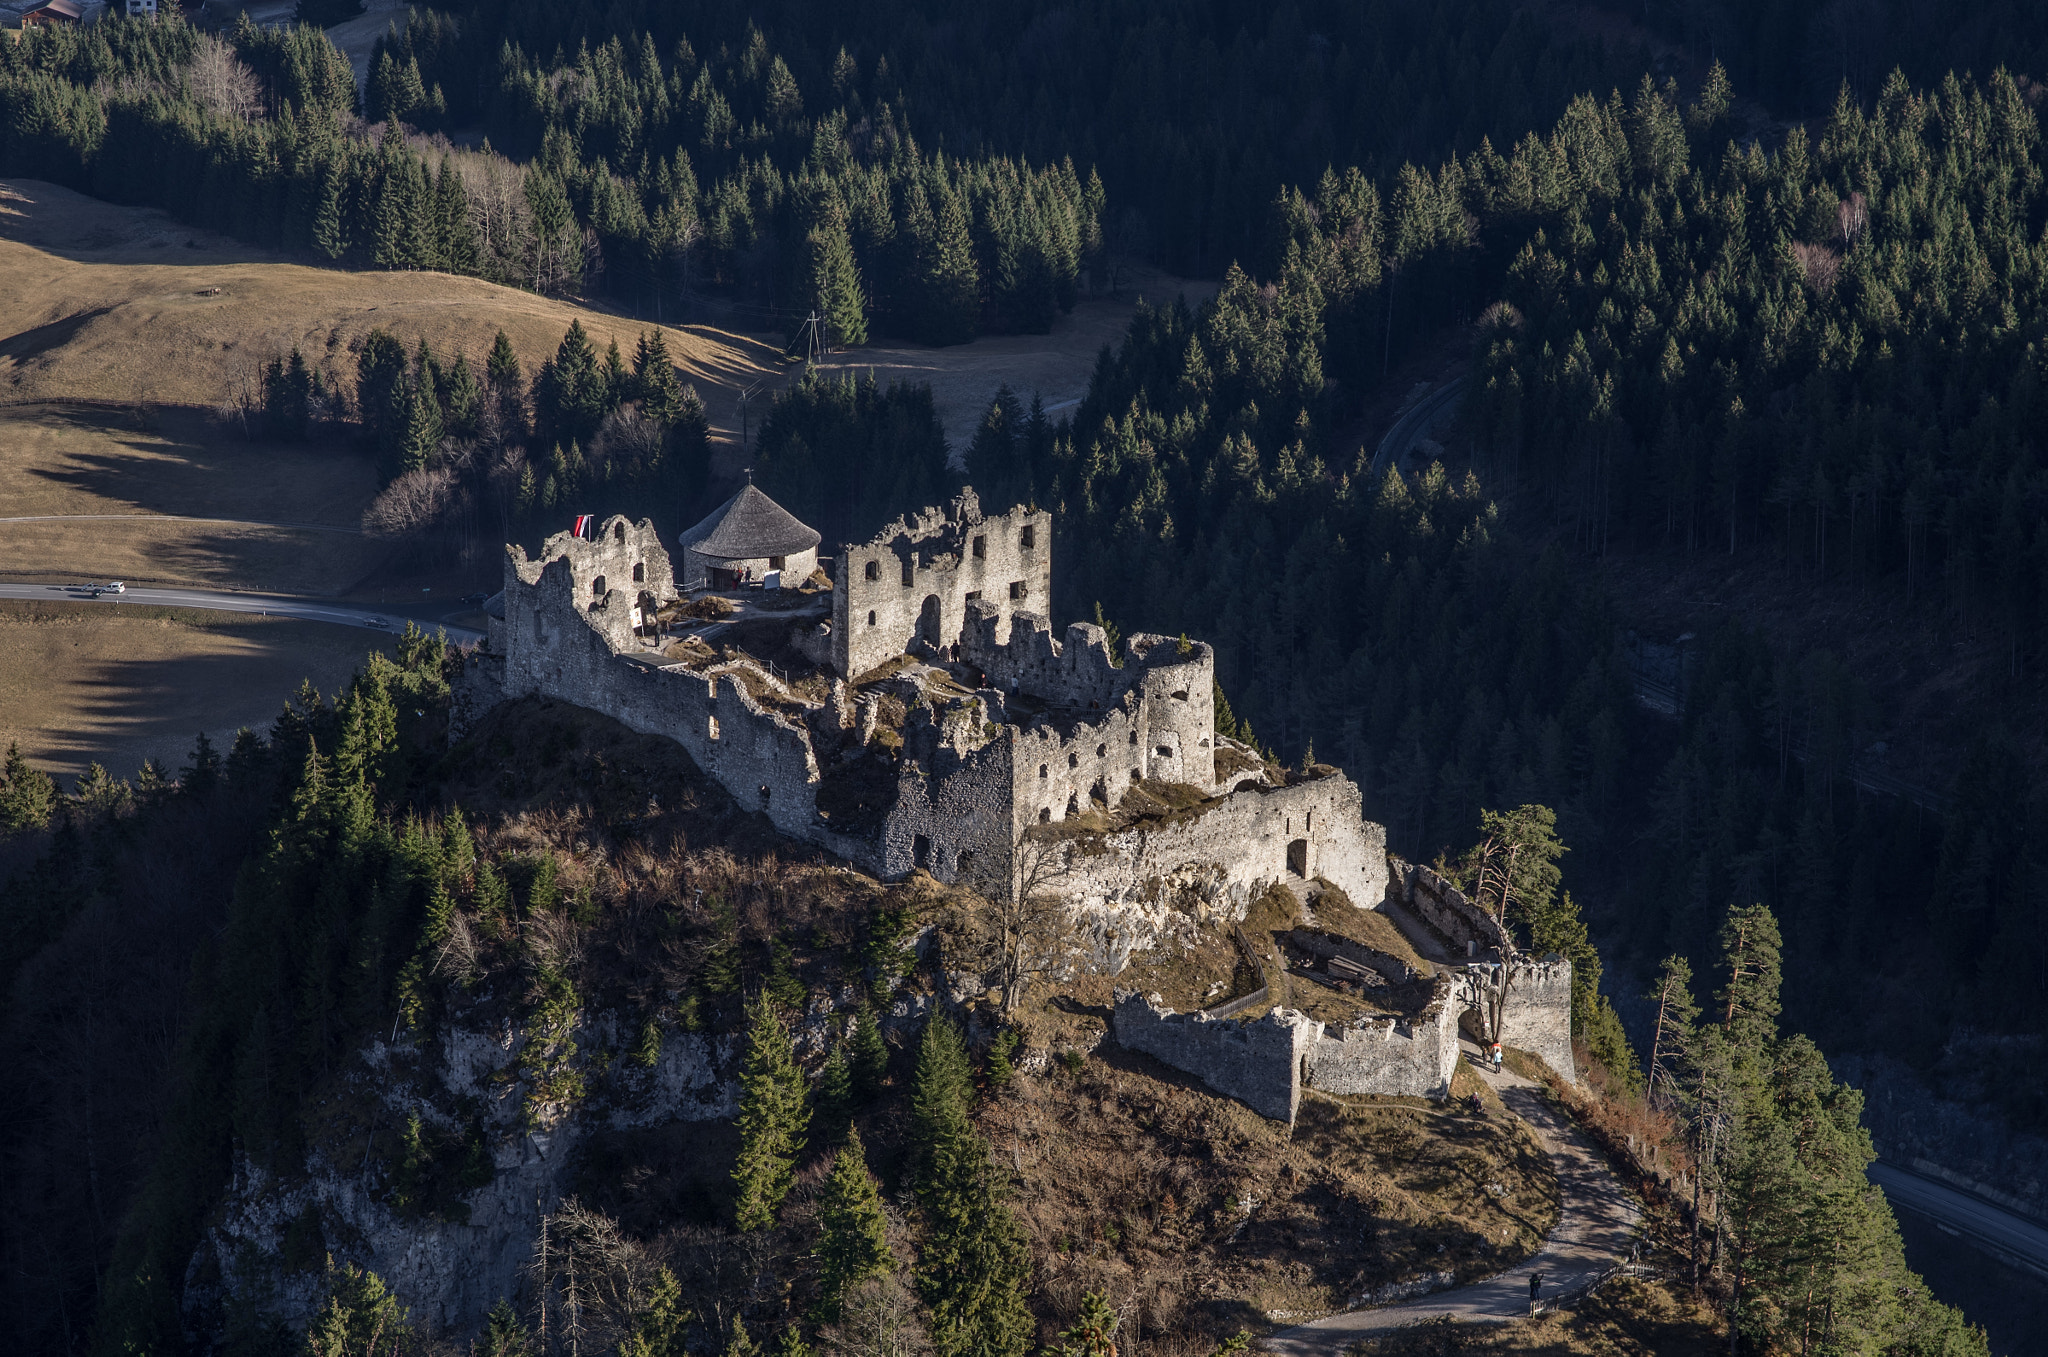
(140, 683)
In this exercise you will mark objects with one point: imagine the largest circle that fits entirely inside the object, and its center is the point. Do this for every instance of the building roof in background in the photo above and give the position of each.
(749, 526)
(63, 8)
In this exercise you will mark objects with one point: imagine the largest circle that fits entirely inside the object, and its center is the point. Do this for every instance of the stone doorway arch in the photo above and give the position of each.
(928, 621)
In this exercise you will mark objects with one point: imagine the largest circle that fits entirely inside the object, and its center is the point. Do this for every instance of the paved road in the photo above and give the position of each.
(269, 605)
(2009, 1238)
(1412, 426)
(1594, 1232)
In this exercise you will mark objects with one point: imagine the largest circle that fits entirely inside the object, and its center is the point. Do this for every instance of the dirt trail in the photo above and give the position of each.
(1594, 1231)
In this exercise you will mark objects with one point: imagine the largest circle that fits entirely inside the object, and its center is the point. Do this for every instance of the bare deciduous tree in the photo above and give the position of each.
(880, 1319)
(1021, 928)
(221, 82)
(411, 504)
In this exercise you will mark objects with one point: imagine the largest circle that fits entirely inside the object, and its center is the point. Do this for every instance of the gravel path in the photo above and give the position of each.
(1594, 1231)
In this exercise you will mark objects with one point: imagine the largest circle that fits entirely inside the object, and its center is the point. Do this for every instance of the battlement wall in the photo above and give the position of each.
(1469, 929)
(1537, 1017)
(562, 642)
(1411, 1056)
(1257, 1062)
(915, 579)
(1136, 887)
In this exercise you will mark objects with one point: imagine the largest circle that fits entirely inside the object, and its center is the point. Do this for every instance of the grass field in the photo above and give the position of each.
(118, 304)
(137, 683)
(94, 481)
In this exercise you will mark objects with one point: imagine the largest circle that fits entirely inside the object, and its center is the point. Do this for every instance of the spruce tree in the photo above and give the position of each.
(422, 436)
(739, 1344)
(505, 1336)
(663, 1322)
(27, 794)
(773, 1118)
(200, 777)
(833, 282)
(655, 383)
(870, 1054)
(948, 279)
(459, 250)
(330, 231)
(974, 1269)
(941, 1096)
(835, 1091)
(853, 1242)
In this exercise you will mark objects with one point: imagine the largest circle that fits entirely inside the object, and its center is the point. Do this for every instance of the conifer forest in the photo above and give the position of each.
(1747, 308)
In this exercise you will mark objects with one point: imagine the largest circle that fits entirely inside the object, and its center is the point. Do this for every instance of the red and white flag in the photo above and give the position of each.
(584, 523)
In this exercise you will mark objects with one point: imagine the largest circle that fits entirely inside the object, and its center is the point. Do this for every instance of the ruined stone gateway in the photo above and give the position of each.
(918, 713)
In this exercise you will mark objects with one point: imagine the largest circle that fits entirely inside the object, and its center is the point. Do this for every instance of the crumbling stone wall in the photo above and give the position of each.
(1158, 710)
(1321, 944)
(1538, 1015)
(564, 640)
(1469, 929)
(1256, 1062)
(1391, 1056)
(914, 580)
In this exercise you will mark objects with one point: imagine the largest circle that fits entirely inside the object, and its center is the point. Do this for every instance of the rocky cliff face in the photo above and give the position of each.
(267, 1243)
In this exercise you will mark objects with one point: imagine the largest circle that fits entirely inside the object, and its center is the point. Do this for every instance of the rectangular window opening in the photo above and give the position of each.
(1016, 590)
(980, 547)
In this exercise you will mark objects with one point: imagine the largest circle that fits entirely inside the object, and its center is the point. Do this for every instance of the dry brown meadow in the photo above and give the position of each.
(82, 682)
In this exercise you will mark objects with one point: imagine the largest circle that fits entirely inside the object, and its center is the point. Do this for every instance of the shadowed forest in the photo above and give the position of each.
(1736, 292)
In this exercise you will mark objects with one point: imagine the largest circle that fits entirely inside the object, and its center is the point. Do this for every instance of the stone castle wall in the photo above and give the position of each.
(1470, 930)
(1256, 1062)
(1410, 1056)
(1139, 886)
(941, 560)
(1538, 1015)
(561, 638)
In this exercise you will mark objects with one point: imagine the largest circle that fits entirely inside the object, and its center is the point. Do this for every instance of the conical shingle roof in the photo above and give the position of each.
(748, 527)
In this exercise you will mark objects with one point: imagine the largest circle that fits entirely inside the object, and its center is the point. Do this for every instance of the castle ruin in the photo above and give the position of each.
(917, 713)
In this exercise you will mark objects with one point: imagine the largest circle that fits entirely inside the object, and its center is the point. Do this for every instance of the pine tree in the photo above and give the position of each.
(833, 281)
(1747, 1005)
(27, 794)
(870, 1054)
(773, 1117)
(663, 1322)
(361, 1316)
(740, 1345)
(853, 1242)
(655, 383)
(1673, 1034)
(1094, 1330)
